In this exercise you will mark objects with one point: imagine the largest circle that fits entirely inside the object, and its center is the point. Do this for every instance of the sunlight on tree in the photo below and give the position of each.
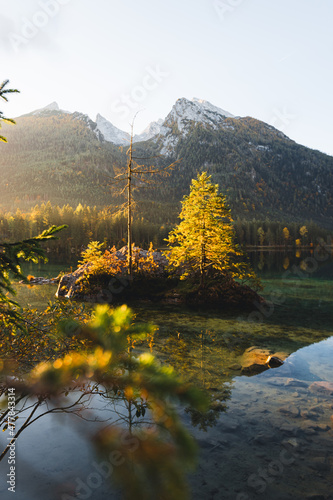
(204, 240)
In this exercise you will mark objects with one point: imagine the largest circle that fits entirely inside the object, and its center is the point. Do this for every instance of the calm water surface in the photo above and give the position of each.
(267, 435)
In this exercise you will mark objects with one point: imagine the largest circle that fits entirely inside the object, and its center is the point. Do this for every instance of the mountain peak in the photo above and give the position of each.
(186, 111)
(53, 106)
(210, 107)
(195, 110)
(195, 107)
(110, 132)
(153, 129)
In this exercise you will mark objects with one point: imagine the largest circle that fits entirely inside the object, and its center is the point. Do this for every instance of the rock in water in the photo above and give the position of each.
(274, 361)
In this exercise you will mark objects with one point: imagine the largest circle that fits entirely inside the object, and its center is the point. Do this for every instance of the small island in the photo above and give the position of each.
(202, 266)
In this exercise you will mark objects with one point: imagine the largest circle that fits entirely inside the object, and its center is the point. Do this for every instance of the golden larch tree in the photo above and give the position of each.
(204, 240)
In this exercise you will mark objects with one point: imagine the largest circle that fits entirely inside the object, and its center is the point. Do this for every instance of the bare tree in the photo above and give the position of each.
(135, 172)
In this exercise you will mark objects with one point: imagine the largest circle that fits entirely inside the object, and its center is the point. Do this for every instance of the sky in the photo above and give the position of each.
(269, 59)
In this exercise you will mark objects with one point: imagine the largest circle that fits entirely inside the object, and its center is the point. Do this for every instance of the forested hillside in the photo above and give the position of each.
(262, 172)
(55, 156)
(63, 158)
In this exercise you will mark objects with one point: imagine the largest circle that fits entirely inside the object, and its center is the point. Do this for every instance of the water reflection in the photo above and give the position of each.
(266, 435)
(275, 262)
(276, 438)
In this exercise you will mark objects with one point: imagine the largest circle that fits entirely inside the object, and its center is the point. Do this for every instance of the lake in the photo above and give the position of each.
(267, 435)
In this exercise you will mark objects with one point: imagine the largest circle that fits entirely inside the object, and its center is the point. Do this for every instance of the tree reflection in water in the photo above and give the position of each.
(130, 398)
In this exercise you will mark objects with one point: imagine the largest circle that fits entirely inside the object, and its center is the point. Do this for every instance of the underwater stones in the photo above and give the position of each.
(309, 431)
(229, 424)
(288, 429)
(254, 369)
(311, 428)
(287, 382)
(317, 409)
(320, 464)
(309, 415)
(277, 381)
(291, 410)
(263, 438)
(235, 367)
(320, 427)
(322, 387)
(291, 443)
(292, 382)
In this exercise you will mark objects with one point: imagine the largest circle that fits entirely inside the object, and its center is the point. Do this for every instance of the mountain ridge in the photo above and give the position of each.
(201, 111)
(65, 157)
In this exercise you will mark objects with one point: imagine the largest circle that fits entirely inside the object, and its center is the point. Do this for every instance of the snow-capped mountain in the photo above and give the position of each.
(261, 170)
(154, 128)
(184, 113)
(110, 132)
(90, 124)
(195, 110)
(53, 106)
(50, 107)
(117, 136)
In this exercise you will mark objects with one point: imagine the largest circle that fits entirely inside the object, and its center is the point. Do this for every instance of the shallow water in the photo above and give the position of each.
(268, 435)
(275, 440)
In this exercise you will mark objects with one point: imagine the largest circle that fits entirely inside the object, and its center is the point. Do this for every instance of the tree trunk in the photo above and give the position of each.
(203, 256)
(129, 210)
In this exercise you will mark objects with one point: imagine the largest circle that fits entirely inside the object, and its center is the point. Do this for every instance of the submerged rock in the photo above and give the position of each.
(291, 410)
(274, 362)
(256, 360)
(235, 366)
(287, 382)
(322, 387)
(254, 369)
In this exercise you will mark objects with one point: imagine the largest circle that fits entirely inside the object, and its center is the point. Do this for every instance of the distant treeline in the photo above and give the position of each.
(90, 223)
(84, 224)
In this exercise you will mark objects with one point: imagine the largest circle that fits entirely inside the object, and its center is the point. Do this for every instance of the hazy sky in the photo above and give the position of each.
(270, 59)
